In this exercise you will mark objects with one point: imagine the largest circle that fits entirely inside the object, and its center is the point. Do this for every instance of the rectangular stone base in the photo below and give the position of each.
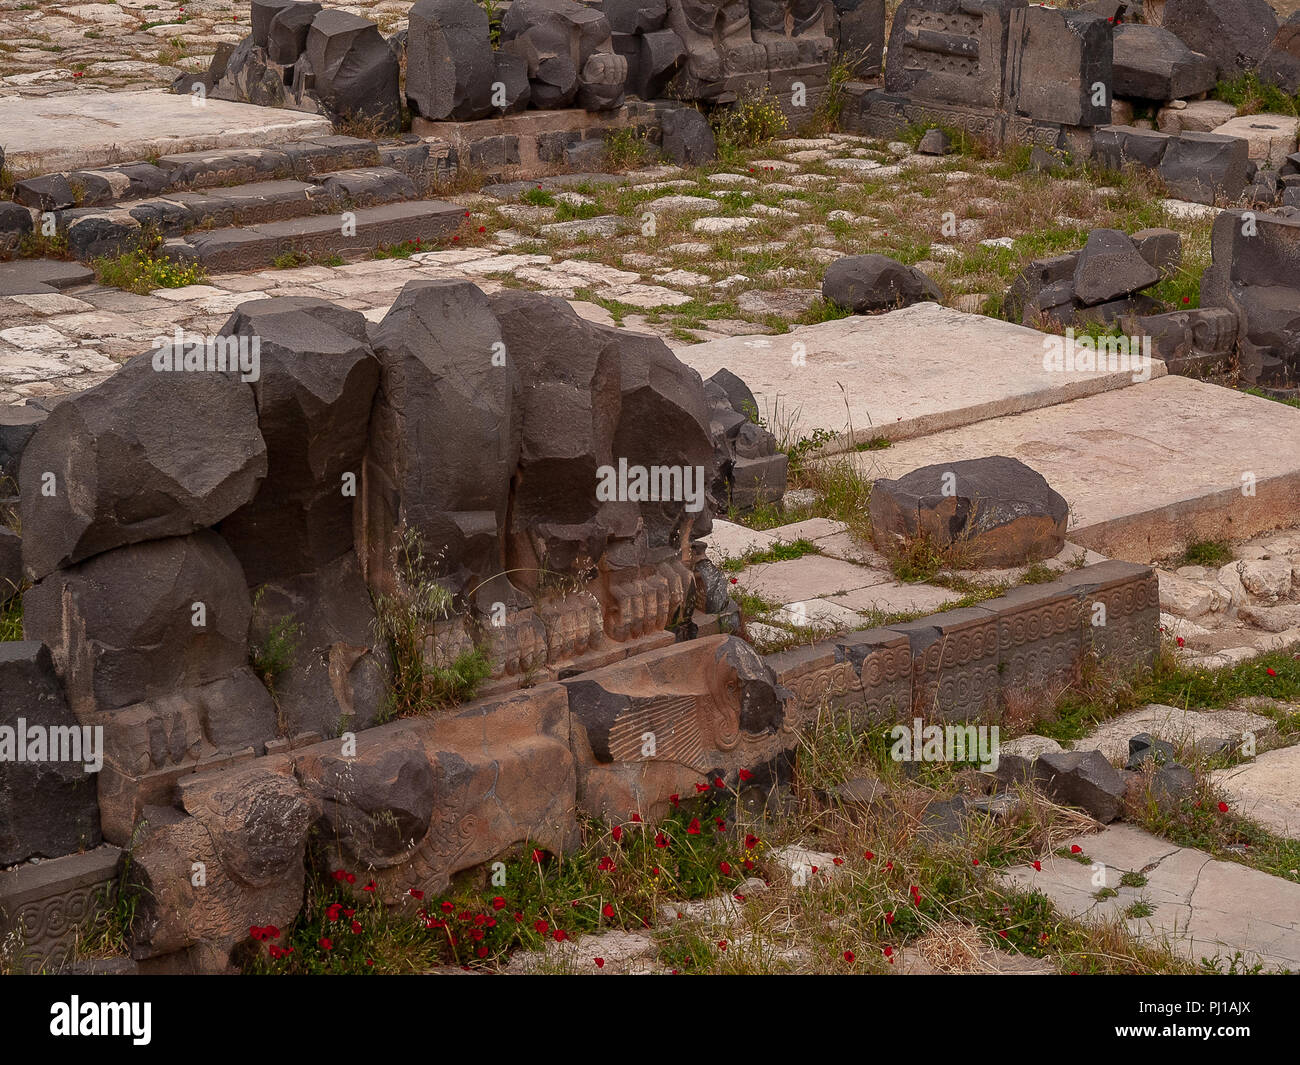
(48, 902)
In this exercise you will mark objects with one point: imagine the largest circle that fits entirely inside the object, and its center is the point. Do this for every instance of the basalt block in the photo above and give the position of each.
(149, 453)
(997, 510)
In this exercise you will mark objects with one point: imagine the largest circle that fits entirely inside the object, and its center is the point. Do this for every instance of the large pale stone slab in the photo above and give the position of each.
(915, 371)
(1267, 790)
(1145, 469)
(1202, 907)
(93, 130)
(809, 577)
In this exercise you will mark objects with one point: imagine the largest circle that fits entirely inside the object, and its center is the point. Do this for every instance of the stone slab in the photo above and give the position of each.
(809, 577)
(1267, 790)
(94, 130)
(1202, 907)
(908, 373)
(1145, 469)
(1177, 726)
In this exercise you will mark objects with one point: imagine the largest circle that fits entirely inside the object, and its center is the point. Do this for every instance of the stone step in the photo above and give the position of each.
(96, 231)
(260, 245)
(1147, 469)
(907, 373)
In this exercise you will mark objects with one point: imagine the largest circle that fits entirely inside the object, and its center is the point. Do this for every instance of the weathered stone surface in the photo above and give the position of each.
(125, 626)
(1084, 779)
(1162, 248)
(866, 283)
(748, 468)
(249, 828)
(449, 65)
(1153, 64)
(935, 142)
(722, 55)
(955, 663)
(861, 38)
(15, 225)
(1055, 58)
(317, 380)
(713, 707)
(143, 455)
(262, 13)
(687, 137)
(286, 36)
(1270, 139)
(1281, 66)
(1109, 267)
(569, 52)
(441, 386)
(1234, 34)
(336, 679)
(1254, 274)
(50, 192)
(492, 776)
(47, 792)
(1205, 167)
(997, 509)
(1119, 146)
(48, 903)
(351, 69)
(17, 426)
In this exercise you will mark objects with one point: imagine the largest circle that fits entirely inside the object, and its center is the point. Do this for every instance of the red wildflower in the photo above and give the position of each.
(326, 944)
(560, 935)
(370, 887)
(415, 894)
(1038, 867)
(693, 829)
(717, 782)
(617, 833)
(1223, 807)
(356, 928)
(751, 841)
(661, 840)
(725, 867)
(538, 856)
(607, 910)
(447, 907)
(848, 956)
(889, 917)
(745, 774)
(498, 903)
(722, 945)
(540, 927)
(606, 864)
(869, 855)
(600, 962)
(1075, 849)
(889, 952)
(837, 861)
(636, 819)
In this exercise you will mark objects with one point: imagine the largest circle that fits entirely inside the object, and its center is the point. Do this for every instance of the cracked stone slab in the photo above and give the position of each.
(1267, 789)
(1202, 907)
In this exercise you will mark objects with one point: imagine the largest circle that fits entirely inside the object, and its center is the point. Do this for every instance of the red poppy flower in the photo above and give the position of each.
(1178, 640)
(745, 774)
(693, 829)
(540, 927)
(869, 855)
(889, 867)
(1075, 849)
(356, 928)
(537, 857)
(339, 874)
(661, 840)
(699, 788)
(482, 229)
(448, 907)
(717, 782)
(1002, 933)
(837, 861)
(674, 799)
(751, 841)
(889, 917)
(498, 903)
(326, 944)
(1271, 671)
(519, 917)
(1038, 867)
(848, 956)
(636, 819)
(733, 580)
(722, 945)
(1223, 807)
(560, 935)
(975, 861)
(617, 833)
(725, 867)
(600, 962)
(606, 864)
(607, 910)
(369, 887)
(889, 952)
(415, 894)
(350, 878)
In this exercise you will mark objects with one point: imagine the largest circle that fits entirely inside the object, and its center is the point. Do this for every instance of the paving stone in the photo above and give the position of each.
(1001, 372)
(812, 576)
(1202, 907)
(1266, 789)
